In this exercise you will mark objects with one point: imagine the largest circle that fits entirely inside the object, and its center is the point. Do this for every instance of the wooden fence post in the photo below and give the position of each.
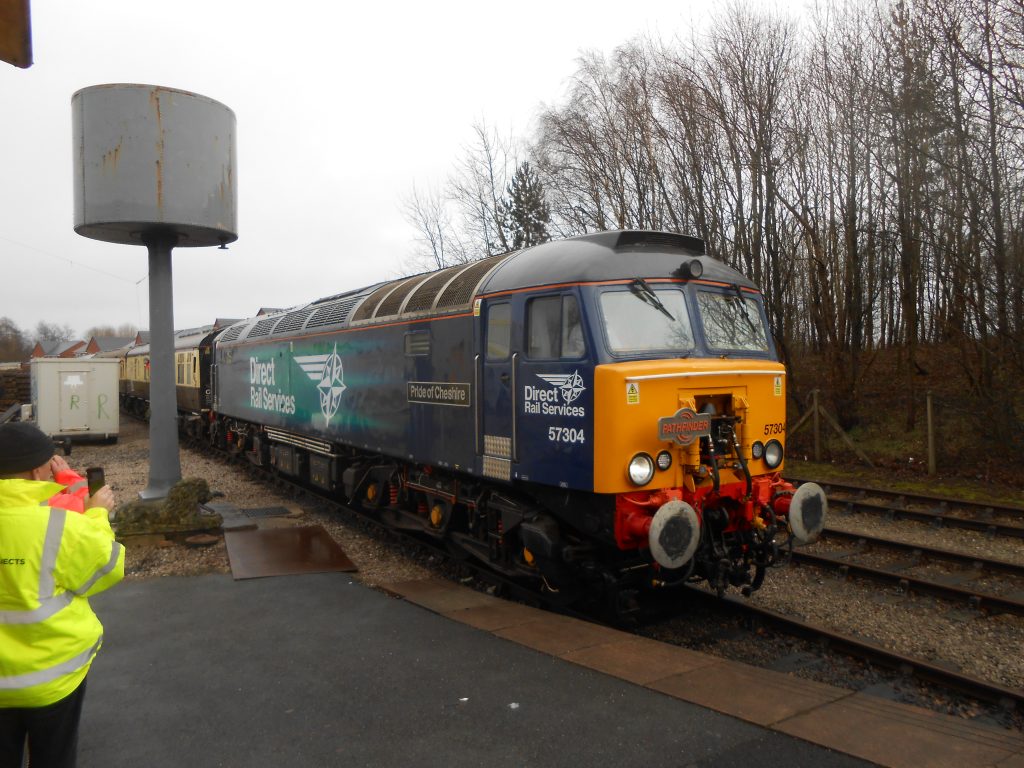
(931, 436)
(817, 425)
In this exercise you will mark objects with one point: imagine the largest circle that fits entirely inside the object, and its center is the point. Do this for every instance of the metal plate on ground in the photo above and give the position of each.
(284, 551)
(267, 512)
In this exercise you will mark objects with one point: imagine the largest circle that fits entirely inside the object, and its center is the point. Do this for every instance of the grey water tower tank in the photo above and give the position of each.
(153, 159)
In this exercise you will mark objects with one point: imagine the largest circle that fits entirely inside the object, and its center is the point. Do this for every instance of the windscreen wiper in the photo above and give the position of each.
(743, 309)
(643, 291)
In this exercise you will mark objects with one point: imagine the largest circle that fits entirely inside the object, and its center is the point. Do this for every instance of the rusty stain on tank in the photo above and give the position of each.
(110, 158)
(154, 100)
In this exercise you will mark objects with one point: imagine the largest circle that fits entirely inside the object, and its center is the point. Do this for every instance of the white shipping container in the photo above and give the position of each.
(76, 397)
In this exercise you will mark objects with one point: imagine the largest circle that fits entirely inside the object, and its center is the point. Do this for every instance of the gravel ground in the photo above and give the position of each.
(984, 646)
(126, 466)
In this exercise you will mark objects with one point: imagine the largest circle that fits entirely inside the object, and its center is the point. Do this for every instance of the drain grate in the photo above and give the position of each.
(266, 512)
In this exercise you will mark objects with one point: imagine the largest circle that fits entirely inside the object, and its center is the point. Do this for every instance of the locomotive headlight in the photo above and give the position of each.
(641, 469)
(773, 453)
(757, 450)
(664, 460)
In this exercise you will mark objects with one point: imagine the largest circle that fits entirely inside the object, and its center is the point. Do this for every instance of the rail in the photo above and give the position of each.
(983, 690)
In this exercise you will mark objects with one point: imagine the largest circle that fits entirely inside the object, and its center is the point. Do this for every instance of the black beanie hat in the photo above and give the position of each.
(23, 447)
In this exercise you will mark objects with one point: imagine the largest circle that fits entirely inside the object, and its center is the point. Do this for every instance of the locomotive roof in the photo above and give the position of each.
(605, 256)
(616, 255)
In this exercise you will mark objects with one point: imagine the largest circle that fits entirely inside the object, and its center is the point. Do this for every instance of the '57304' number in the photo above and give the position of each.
(565, 435)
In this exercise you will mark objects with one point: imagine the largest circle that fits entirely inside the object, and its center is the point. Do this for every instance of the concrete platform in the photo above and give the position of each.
(318, 670)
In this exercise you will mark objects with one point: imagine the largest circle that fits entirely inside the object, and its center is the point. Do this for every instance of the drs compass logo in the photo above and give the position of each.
(327, 372)
(558, 397)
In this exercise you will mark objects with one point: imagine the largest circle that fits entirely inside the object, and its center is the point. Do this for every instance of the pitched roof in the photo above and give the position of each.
(110, 343)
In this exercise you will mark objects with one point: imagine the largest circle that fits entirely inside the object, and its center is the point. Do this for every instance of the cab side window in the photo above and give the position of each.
(499, 331)
(555, 328)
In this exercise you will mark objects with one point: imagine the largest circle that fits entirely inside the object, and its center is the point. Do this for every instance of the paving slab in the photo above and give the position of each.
(756, 695)
(1014, 761)
(438, 596)
(903, 736)
(640, 660)
(319, 670)
(559, 635)
(494, 616)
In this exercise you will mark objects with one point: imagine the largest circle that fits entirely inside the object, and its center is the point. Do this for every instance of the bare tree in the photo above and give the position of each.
(438, 243)
(14, 347)
(477, 188)
(53, 332)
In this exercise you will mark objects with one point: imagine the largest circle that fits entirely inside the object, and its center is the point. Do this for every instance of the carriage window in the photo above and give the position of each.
(555, 328)
(731, 322)
(635, 324)
(499, 331)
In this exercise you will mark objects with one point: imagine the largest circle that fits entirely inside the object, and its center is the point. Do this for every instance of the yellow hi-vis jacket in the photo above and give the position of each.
(51, 560)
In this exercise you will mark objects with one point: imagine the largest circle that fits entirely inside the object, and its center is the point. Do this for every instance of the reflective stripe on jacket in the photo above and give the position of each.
(51, 560)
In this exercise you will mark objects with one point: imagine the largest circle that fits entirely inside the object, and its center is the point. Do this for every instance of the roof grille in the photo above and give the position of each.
(263, 327)
(393, 302)
(334, 313)
(634, 239)
(293, 320)
(423, 297)
(463, 287)
(365, 310)
(233, 332)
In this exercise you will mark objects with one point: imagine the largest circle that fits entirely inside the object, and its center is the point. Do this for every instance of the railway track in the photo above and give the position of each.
(939, 511)
(998, 695)
(894, 562)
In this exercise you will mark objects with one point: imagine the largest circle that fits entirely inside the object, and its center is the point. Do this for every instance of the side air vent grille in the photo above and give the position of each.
(335, 313)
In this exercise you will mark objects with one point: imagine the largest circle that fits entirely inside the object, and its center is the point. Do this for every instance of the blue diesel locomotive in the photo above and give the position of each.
(605, 412)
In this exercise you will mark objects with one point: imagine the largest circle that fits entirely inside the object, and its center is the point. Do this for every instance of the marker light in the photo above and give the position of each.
(757, 450)
(664, 460)
(641, 469)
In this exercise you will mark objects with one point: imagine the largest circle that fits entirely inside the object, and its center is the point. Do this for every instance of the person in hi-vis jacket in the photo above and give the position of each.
(56, 549)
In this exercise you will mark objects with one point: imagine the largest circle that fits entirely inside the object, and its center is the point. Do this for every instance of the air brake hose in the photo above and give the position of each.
(714, 464)
(743, 464)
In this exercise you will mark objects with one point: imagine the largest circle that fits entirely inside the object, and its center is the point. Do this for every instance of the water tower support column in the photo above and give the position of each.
(164, 461)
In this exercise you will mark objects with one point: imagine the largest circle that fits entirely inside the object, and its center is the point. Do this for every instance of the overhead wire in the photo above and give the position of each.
(72, 261)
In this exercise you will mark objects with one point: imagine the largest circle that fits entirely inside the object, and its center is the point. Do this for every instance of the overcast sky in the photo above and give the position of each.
(341, 108)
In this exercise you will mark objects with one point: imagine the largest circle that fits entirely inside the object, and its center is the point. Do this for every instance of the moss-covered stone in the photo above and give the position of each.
(180, 511)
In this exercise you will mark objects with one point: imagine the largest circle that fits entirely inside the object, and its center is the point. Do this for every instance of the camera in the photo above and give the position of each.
(94, 476)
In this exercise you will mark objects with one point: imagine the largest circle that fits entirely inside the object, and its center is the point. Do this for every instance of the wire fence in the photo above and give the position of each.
(925, 429)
